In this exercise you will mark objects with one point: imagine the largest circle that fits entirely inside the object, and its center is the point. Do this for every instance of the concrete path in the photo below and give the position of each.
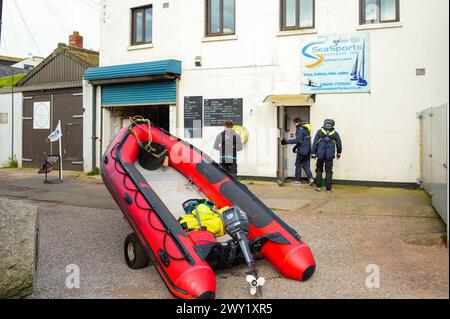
(348, 230)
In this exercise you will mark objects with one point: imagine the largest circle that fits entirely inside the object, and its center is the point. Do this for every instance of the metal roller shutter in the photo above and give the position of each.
(143, 93)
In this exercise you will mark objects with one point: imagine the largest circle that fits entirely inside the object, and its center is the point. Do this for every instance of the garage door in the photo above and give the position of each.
(66, 106)
(145, 93)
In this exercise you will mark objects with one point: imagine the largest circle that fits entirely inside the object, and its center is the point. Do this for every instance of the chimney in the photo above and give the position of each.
(76, 40)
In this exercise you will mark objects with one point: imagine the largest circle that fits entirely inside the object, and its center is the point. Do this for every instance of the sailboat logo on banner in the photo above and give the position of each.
(358, 74)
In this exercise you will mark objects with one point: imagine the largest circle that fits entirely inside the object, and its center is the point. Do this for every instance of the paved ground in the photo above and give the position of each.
(347, 231)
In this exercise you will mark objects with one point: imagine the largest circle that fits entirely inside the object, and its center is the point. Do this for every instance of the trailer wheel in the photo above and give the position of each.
(136, 256)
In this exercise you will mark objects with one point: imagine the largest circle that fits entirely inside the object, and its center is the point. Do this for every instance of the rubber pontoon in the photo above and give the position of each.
(185, 261)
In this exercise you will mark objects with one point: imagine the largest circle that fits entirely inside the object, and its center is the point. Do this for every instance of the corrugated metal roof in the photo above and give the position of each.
(65, 64)
(49, 86)
(144, 93)
(134, 70)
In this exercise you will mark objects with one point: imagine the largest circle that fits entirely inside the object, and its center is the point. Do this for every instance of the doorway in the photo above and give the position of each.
(65, 106)
(289, 133)
(286, 157)
(119, 117)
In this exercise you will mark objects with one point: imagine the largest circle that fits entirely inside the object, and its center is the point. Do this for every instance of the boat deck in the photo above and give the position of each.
(172, 187)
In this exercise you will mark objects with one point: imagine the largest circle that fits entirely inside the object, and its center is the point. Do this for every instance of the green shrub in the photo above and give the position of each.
(12, 162)
(94, 172)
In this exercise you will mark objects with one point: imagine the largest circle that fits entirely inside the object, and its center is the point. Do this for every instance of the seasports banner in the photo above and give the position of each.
(336, 64)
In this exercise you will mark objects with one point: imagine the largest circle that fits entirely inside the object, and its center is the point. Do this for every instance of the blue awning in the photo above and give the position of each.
(134, 71)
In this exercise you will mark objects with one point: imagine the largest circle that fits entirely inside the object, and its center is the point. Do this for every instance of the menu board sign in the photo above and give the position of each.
(193, 116)
(219, 110)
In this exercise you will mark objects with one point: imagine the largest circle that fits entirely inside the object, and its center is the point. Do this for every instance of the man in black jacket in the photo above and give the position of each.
(228, 143)
(302, 148)
(327, 145)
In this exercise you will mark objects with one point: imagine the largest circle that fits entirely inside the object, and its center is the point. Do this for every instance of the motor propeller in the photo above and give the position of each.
(255, 284)
(238, 227)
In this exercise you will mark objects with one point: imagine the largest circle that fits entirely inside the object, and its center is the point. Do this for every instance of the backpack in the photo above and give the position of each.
(202, 215)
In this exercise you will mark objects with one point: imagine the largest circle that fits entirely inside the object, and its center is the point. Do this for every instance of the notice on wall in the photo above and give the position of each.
(193, 117)
(41, 115)
(219, 110)
(336, 64)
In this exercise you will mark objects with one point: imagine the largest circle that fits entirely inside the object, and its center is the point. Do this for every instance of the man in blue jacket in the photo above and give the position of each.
(327, 145)
(302, 147)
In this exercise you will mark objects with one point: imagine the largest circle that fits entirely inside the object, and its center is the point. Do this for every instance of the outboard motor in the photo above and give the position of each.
(237, 226)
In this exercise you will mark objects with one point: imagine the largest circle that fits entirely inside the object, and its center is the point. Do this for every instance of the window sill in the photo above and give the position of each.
(376, 26)
(286, 33)
(140, 47)
(220, 38)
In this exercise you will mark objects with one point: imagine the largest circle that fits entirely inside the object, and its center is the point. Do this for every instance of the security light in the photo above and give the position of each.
(198, 61)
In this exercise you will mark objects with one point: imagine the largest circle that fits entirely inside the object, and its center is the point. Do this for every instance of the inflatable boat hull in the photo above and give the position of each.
(175, 254)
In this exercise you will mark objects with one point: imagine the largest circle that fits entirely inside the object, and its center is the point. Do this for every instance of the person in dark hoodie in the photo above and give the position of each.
(228, 143)
(302, 148)
(327, 146)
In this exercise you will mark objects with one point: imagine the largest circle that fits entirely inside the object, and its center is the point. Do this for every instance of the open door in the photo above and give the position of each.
(289, 107)
(289, 133)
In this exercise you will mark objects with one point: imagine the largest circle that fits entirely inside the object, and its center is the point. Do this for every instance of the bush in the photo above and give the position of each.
(12, 162)
(95, 172)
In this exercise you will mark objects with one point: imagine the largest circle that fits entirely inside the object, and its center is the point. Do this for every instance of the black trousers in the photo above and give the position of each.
(328, 173)
(231, 168)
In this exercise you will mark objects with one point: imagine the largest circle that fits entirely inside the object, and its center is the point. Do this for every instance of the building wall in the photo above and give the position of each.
(88, 120)
(380, 131)
(6, 129)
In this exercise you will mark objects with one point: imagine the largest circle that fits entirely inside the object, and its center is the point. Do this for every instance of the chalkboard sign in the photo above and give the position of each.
(219, 110)
(193, 116)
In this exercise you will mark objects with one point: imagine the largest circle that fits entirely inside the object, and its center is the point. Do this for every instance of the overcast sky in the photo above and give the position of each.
(50, 22)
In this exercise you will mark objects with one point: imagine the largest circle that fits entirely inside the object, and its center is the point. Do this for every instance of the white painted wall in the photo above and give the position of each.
(88, 118)
(380, 131)
(6, 129)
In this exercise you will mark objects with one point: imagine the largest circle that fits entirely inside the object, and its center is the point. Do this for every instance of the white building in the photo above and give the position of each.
(10, 125)
(28, 63)
(254, 52)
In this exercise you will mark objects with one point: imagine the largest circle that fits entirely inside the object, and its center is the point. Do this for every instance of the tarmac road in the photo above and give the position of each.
(80, 225)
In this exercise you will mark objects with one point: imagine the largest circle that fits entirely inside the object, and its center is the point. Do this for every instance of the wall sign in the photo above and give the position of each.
(219, 110)
(336, 64)
(41, 115)
(193, 117)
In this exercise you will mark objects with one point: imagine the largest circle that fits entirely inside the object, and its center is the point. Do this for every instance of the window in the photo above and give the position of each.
(220, 17)
(297, 14)
(142, 25)
(3, 118)
(379, 11)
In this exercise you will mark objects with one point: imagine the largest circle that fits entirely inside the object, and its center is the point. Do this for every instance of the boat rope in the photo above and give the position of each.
(136, 121)
(149, 209)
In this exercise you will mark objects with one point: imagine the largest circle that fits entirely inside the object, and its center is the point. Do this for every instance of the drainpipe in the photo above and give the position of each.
(101, 131)
(1, 14)
(12, 113)
(94, 127)
(420, 178)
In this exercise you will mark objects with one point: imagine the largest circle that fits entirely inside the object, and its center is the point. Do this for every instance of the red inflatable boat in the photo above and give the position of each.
(185, 260)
